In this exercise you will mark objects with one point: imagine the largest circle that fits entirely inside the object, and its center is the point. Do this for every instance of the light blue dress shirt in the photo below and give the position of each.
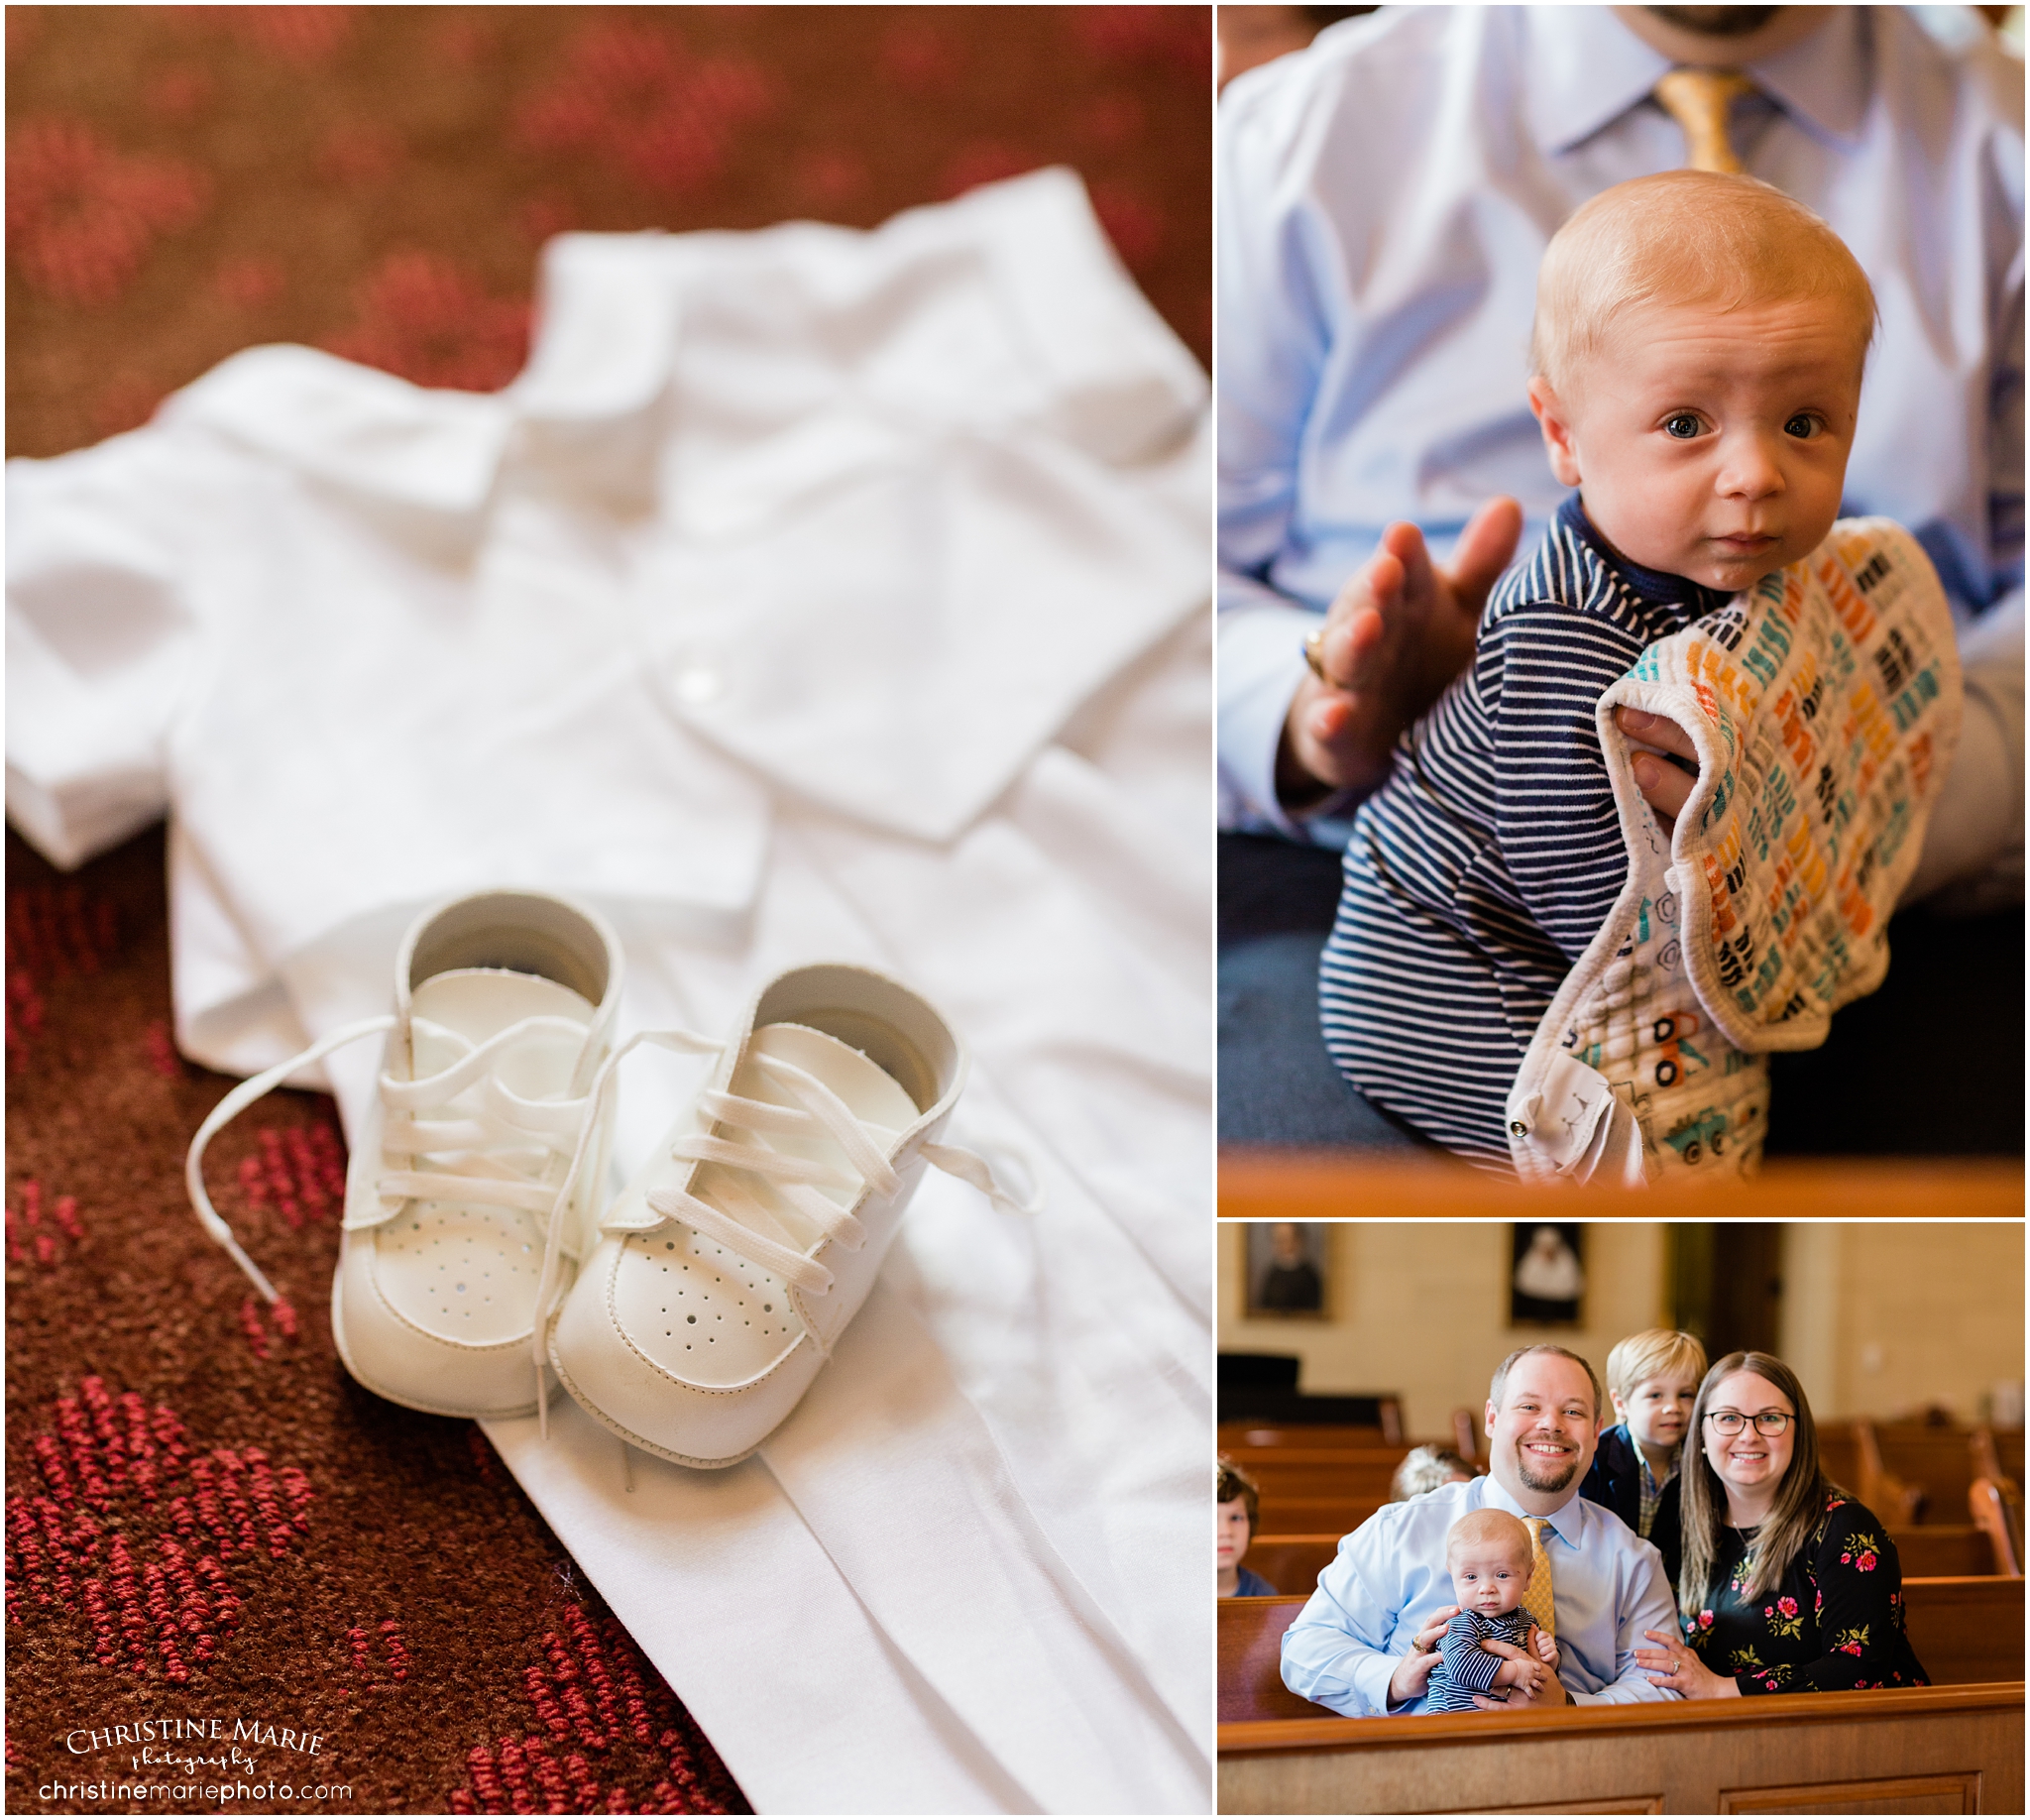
(1389, 1577)
(1384, 200)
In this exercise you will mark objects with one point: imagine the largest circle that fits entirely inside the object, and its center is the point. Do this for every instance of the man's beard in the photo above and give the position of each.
(1535, 1477)
(1715, 21)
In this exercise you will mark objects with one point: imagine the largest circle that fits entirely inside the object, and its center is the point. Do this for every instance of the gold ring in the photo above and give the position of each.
(1315, 655)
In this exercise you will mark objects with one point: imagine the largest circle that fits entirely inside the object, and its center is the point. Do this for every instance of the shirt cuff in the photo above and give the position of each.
(1261, 665)
(1971, 860)
(1370, 1681)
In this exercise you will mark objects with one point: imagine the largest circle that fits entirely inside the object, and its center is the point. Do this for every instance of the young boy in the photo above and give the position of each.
(1240, 1509)
(1653, 1380)
(1487, 1552)
(1698, 355)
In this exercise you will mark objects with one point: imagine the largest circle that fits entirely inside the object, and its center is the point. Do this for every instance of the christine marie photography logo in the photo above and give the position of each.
(220, 1762)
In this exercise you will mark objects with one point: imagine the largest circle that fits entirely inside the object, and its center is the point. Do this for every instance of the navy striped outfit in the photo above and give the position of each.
(1466, 1668)
(1479, 873)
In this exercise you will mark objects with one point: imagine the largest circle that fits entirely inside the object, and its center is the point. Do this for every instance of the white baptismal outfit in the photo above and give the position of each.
(811, 593)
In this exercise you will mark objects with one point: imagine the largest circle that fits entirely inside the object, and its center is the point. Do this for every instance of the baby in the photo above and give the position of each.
(1697, 358)
(1487, 1554)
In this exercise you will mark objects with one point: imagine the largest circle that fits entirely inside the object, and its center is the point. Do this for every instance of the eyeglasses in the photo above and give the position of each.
(1731, 1422)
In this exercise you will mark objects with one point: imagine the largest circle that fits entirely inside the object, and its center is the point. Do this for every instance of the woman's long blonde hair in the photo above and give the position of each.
(1702, 1498)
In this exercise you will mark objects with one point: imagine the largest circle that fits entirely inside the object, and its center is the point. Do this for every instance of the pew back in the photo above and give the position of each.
(1306, 1490)
(1342, 1514)
(1237, 1438)
(1911, 1473)
(1964, 1629)
(1967, 1630)
(1840, 1458)
(1998, 1454)
(1998, 1508)
(1935, 1549)
(1916, 1750)
(2009, 1451)
(1292, 1563)
(1251, 1661)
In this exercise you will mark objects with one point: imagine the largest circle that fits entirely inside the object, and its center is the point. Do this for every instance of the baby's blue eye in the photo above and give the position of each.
(1801, 426)
(1684, 426)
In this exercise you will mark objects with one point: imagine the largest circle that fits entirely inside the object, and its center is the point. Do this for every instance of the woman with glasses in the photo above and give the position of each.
(1788, 1585)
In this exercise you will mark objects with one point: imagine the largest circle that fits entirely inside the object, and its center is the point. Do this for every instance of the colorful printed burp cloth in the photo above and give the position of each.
(1824, 703)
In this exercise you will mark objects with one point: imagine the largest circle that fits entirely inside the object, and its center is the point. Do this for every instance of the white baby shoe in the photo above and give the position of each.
(730, 1266)
(475, 1176)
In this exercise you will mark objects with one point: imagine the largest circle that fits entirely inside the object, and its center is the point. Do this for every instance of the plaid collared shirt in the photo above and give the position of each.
(1652, 1493)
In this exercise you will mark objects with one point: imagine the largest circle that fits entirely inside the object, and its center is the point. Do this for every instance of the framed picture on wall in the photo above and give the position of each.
(1547, 1274)
(1287, 1274)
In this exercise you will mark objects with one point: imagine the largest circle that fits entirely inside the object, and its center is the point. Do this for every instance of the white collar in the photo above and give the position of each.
(1568, 1519)
(1585, 69)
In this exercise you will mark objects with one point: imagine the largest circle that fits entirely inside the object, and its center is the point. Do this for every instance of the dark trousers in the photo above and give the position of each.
(1932, 1064)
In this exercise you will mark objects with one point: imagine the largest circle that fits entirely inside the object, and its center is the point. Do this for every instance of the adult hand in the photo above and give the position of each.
(1676, 1667)
(1550, 1691)
(1399, 632)
(1413, 1671)
(1664, 787)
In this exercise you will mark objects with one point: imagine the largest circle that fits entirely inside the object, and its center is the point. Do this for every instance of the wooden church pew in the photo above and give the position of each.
(1964, 1629)
(1998, 1454)
(1911, 1473)
(1967, 1630)
(1259, 1184)
(1250, 1404)
(1839, 1455)
(1251, 1661)
(1933, 1550)
(1239, 1438)
(1312, 1470)
(1288, 1516)
(1309, 1490)
(1998, 1508)
(1924, 1750)
(1292, 1563)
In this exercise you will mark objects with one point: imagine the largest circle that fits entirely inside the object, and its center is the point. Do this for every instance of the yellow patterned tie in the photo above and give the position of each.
(1698, 100)
(1537, 1599)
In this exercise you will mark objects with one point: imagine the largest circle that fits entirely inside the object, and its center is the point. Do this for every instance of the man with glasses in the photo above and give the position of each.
(1367, 1642)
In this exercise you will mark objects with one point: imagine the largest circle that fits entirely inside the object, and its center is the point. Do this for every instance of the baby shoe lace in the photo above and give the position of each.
(500, 1152)
(736, 1218)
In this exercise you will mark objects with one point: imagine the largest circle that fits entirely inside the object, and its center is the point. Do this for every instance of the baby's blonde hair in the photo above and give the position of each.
(1686, 237)
(1425, 1469)
(1656, 1352)
(1489, 1526)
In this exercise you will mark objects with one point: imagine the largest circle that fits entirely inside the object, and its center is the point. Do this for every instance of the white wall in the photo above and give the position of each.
(1878, 1318)
(1422, 1309)
(1881, 1317)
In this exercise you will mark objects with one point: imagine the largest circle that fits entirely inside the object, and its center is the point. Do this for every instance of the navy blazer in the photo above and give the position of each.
(1616, 1481)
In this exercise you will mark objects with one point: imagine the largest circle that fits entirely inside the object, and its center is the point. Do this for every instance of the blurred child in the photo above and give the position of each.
(1425, 1469)
(1240, 1503)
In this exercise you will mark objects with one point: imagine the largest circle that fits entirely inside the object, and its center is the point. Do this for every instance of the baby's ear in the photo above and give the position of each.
(1556, 423)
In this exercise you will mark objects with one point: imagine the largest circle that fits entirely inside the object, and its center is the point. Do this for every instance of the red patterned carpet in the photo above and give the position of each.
(211, 1531)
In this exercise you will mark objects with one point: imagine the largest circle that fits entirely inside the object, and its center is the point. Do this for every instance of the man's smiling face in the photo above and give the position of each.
(1542, 1436)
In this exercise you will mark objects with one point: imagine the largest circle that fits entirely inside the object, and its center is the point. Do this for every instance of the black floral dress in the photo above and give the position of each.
(1833, 1621)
